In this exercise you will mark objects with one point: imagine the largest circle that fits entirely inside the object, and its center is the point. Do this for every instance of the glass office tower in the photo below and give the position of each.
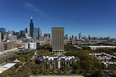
(35, 32)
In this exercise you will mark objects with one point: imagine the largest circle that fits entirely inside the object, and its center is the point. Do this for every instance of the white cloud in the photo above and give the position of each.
(33, 8)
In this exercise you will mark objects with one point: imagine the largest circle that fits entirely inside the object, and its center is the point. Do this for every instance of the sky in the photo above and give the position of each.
(90, 17)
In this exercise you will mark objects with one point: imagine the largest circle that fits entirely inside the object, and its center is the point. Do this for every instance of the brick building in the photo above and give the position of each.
(7, 46)
(10, 45)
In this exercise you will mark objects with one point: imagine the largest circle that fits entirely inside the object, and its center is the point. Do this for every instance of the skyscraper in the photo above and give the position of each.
(80, 35)
(2, 30)
(57, 39)
(31, 27)
(89, 37)
(66, 36)
(22, 33)
(72, 37)
(5, 34)
(17, 34)
(35, 32)
(11, 32)
(40, 33)
(26, 31)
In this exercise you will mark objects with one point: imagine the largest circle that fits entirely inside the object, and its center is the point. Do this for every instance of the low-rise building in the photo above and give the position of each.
(57, 61)
(7, 46)
(31, 45)
(10, 45)
(14, 45)
(6, 67)
(100, 47)
(103, 58)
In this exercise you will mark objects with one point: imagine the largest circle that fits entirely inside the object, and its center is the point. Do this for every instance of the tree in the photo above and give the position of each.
(82, 71)
(43, 53)
(37, 71)
(99, 73)
(47, 71)
(87, 65)
(77, 65)
(60, 71)
(17, 65)
(53, 71)
(16, 56)
(97, 64)
(42, 70)
(67, 67)
(77, 71)
(65, 71)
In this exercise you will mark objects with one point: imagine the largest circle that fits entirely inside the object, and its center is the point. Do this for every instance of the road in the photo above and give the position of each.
(8, 53)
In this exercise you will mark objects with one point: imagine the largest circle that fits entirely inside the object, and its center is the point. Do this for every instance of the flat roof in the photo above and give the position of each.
(102, 46)
(6, 66)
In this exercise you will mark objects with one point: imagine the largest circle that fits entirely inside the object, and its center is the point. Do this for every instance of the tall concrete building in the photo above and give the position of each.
(11, 32)
(40, 33)
(31, 27)
(57, 39)
(5, 34)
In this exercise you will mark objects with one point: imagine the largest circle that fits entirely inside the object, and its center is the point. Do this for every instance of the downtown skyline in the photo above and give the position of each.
(94, 18)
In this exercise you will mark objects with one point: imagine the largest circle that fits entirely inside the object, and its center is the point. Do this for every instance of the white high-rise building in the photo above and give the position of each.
(10, 32)
(27, 35)
(32, 45)
(80, 35)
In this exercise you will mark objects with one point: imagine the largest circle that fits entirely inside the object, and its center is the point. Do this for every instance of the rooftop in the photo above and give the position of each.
(58, 57)
(6, 66)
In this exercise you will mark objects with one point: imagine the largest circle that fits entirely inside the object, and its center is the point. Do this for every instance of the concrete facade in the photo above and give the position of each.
(5, 34)
(57, 39)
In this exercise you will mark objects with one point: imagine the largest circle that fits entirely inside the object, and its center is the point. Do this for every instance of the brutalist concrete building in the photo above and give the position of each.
(57, 61)
(57, 39)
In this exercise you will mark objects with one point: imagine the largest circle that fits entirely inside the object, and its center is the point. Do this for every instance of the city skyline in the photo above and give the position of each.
(94, 18)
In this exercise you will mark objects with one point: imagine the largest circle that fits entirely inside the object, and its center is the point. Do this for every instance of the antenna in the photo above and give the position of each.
(31, 17)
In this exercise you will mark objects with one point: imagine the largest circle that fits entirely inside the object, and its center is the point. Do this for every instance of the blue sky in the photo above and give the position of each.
(90, 17)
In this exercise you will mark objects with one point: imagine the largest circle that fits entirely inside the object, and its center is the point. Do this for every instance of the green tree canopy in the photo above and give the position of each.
(60, 71)
(65, 71)
(42, 70)
(53, 71)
